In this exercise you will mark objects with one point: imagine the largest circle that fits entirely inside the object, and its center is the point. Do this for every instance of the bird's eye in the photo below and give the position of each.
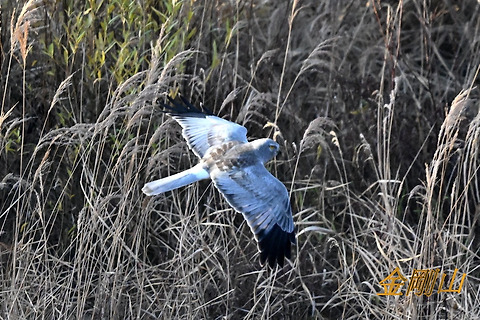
(272, 147)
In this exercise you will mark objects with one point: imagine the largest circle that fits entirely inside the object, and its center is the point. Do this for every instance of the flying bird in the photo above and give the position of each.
(237, 169)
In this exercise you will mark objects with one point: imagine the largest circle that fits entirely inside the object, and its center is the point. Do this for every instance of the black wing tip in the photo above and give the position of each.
(275, 246)
(179, 106)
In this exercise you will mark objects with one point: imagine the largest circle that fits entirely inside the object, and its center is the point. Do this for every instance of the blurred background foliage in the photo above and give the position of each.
(373, 102)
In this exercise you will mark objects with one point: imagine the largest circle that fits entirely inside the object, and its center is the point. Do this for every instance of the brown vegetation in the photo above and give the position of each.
(375, 106)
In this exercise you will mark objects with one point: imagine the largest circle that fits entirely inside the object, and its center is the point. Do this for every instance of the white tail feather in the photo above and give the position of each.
(176, 181)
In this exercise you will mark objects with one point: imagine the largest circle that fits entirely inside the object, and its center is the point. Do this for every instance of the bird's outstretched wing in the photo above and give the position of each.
(201, 129)
(263, 200)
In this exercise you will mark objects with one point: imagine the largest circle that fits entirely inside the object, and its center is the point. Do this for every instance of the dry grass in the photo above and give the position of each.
(374, 103)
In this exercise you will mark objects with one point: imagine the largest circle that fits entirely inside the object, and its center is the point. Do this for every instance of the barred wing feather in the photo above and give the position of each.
(201, 129)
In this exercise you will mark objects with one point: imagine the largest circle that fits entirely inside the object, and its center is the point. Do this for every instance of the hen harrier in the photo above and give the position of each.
(237, 169)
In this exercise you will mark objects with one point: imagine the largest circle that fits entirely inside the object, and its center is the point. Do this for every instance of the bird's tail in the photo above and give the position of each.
(176, 181)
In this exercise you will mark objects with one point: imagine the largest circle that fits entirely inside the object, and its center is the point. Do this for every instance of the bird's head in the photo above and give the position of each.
(267, 149)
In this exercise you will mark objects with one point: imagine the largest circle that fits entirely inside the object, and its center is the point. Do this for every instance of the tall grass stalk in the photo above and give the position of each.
(375, 106)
